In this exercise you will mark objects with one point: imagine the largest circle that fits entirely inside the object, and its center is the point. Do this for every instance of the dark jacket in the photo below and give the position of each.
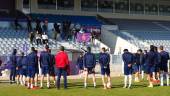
(128, 58)
(89, 60)
(104, 60)
(32, 59)
(45, 59)
(164, 57)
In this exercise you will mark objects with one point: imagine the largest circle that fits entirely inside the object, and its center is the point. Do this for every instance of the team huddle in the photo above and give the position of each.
(154, 63)
(26, 67)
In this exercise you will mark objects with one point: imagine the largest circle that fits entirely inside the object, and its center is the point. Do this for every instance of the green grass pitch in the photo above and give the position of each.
(75, 88)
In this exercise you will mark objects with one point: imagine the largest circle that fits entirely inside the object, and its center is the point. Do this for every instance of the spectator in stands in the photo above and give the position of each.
(38, 38)
(13, 63)
(45, 26)
(56, 30)
(77, 27)
(74, 32)
(62, 65)
(89, 62)
(17, 25)
(29, 25)
(93, 36)
(45, 38)
(38, 26)
(31, 36)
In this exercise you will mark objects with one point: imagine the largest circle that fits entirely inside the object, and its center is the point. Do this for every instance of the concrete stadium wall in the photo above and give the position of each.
(116, 43)
(77, 11)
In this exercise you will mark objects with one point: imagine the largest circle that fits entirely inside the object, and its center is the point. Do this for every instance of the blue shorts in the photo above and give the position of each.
(150, 69)
(24, 71)
(45, 70)
(164, 67)
(136, 68)
(105, 71)
(31, 71)
(128, 70)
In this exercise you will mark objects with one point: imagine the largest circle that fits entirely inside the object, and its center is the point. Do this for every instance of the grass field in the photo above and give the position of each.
(76, 89)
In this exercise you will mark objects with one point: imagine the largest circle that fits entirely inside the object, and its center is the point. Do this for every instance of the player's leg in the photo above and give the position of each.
(85, 78)
(42, 79)
(125, 81)
(48, 81)
(94, 78)
(109, 85)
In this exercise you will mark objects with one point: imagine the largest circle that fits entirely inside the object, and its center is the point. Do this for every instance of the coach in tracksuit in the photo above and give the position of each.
(104, 61)
(62, 65)
(45, 60)
(128, 59)
(89, 61)
(13, 63)
(32, 61)
(164, 65)
(150, 64)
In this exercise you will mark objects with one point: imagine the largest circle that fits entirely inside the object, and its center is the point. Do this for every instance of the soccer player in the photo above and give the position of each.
(104, 60)
(13, 62)
(150, 65)
(89, 61)
(164, 65)
(32, 60)
(156, 74)
(62, 65)
(19, 67)
(52, 68)
(24, 64)
(36, 70)
(80, 64)
(128, 59)
(45, 64)
(137, 65)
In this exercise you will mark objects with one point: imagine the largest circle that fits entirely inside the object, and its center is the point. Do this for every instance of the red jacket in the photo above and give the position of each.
(61, 59)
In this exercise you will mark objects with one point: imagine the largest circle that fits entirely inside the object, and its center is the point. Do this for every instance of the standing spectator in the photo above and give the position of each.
(45, 26)
(89, 61)
(62, 64)
(13, 63)
(56, 30)
(45, 38)
(31, 36)
(17, 25)
(38, 38)
(29, 25)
